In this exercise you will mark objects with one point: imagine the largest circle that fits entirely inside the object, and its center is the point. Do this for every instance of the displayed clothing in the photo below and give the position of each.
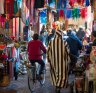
(39, 4)
(1, 6)
(9, 8)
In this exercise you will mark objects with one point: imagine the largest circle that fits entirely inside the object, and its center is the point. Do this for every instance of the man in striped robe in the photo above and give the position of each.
(58, 57)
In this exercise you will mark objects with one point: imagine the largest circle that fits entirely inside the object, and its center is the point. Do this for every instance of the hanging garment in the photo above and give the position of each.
(87, 2)
(39, 4)
(1, 6)
(9, 8)
(69, 13)
(15, 7)
(16, 25)
(30, 6)
(24, 12)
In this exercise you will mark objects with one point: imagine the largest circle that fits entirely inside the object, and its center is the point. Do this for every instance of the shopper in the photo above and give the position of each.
(75, 46)
(35, 48)
(42, 38)
(80, 34)
(58, 57)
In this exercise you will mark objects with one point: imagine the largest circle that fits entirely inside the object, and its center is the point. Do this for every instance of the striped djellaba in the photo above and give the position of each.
(58, 57)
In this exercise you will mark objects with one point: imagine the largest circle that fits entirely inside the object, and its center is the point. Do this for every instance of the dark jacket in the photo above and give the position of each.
(80, 34)
(74, 44)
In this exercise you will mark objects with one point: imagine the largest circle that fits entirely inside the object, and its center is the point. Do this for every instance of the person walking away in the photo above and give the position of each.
(75, 46)
(80, 34)
(42, 38)
(45, 35)
(35, 48)
(58, 58)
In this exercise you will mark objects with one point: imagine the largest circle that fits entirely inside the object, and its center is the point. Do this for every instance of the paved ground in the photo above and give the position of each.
(21, 86)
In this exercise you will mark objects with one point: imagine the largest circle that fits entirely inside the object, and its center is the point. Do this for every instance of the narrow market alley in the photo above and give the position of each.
(21, 86)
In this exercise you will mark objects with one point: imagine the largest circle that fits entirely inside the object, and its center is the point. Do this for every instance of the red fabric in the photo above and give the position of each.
(9, 8)
(83, 12)
(34, 50)
(81, 2)
(4, 56)
(61, 13)
(71, 2)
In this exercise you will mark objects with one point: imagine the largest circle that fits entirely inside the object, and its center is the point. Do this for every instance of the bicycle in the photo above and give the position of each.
(33, 76)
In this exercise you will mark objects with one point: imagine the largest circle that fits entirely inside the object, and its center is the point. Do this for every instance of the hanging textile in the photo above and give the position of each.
(16, 25)
(19, 3)
(87, 3)
(69, 13)
(24, 12)
(58, 4)
(39, 4)
(71, 2)
(43, 16)
(15, 7)
(9, 8)
(1, 6)
(30, 6)
(80, 2)
(2, 20)
(65, 3)
(76, 13)
(51, 3)
(61, 15)
(83, 12)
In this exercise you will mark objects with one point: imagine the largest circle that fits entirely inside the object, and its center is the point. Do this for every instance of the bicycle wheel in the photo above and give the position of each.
(32, 79)
(43, 75)
(31, 85)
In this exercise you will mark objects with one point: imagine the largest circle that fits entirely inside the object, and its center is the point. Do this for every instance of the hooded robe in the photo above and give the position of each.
(58, 57)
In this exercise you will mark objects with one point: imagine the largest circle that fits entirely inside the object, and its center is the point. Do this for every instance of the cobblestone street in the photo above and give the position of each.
(21, 86)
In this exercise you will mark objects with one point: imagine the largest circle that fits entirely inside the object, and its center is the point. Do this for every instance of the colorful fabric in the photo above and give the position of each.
(9, 8)
(83, 12)
(69, 14)
(61, 15)
(87, 2)
(1, 6)
(76, 13)
(39, 4)
(15, 7)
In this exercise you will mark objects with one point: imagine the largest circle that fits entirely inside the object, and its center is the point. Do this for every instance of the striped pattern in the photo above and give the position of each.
(58, 58)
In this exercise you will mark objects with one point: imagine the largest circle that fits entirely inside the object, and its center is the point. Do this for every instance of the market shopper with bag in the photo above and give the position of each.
(75, 46)
(58, 58)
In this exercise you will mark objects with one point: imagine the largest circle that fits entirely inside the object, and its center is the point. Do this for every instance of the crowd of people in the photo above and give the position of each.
(61, 50)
